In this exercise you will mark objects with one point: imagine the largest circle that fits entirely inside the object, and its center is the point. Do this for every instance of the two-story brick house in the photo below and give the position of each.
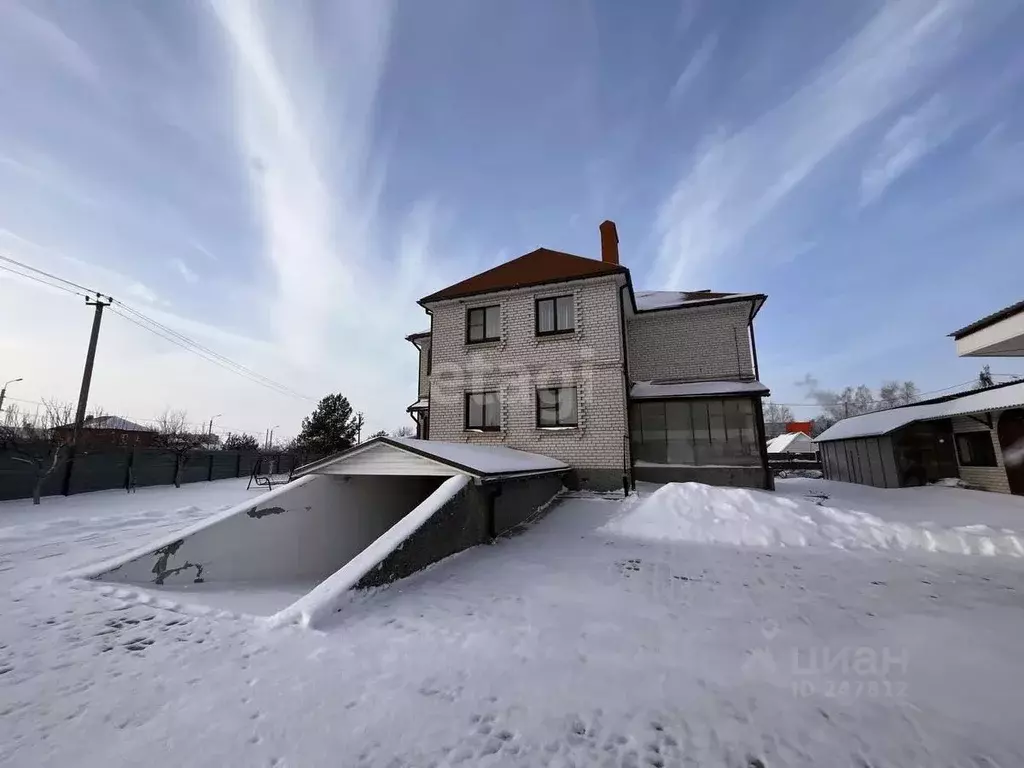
(556, 354)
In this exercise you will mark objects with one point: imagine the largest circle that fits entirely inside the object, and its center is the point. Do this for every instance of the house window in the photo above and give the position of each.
(483, 324)
(557, 407)
(975, 449)
(695, 432)
(482, 411)
(556, 315)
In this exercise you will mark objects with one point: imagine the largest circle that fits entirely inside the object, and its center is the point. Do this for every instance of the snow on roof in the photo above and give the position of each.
(419, 405)
(113, 422)
(653, 389)
(883, 422)
(479, 460)
(648, 300)
(791, 442)
(484, 459)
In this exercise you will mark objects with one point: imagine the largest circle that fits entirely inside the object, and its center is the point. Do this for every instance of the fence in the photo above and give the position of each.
(100, 470)
(787, 462)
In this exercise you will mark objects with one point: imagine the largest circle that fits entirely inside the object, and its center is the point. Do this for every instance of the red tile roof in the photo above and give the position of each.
(535, 268)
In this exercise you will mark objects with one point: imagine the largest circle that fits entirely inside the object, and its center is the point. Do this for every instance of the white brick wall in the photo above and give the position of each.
(691, 343)
(423, 388)
(989, 478)
(520, 362)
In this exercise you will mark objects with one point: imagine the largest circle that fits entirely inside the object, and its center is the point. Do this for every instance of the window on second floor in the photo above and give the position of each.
(556, 315)
(556, 407)
(483, 324)
(482, 411)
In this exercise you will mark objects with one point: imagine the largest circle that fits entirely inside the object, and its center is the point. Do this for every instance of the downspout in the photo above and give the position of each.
(628, 480)
(753, 341)
(430, 360)
(769, 480)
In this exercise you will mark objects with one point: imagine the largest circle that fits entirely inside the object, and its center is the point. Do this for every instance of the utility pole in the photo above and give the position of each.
(90, 358)
(3, 393)
(83, 396)
(210, 430)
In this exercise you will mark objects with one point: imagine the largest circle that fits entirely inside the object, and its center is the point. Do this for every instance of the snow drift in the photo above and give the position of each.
(741, 517)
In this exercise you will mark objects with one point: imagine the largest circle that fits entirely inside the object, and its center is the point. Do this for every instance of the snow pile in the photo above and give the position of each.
(741, 517)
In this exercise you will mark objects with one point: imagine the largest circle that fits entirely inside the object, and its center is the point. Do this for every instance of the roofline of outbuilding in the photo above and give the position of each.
(985, 322)
(474, 473)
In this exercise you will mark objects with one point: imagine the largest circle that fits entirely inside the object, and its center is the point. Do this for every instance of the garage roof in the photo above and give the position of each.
(882, 422)
(481, 461)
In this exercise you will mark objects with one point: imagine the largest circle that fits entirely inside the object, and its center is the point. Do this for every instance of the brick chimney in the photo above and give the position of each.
(609, 242)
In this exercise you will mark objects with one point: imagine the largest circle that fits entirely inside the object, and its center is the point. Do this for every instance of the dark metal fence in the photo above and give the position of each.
(99, 470)
(787, 462)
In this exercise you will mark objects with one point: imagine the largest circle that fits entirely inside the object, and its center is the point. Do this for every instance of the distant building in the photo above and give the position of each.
(977, 435)
(113, 431)
(791, 443)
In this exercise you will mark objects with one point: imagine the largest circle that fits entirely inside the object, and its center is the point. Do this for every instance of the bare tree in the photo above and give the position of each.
(775, 413)
(985, 378)
(893, 394)
(41, 445)
(175, 438)
(404, 431)
(11, 416)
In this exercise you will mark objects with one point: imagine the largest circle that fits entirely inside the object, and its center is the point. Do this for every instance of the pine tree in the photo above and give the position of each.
(241, 442)
(331, 427)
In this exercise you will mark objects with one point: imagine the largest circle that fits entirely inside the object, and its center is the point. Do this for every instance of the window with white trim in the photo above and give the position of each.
(557, 407)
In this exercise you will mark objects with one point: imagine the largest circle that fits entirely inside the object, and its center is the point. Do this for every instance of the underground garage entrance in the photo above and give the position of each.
(363, 518)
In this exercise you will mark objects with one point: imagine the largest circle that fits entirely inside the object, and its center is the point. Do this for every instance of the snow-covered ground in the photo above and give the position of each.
(594, 638)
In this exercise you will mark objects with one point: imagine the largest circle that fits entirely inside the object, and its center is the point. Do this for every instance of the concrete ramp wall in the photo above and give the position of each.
(307, 529)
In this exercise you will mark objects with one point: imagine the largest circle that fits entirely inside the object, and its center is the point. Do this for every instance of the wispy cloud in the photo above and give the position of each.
(911, 138)
(737, 180)
(694, 69)
(314, 230)
(184, 270)
(44, 35)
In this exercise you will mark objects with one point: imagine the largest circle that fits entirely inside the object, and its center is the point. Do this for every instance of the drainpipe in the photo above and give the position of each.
(628, 480)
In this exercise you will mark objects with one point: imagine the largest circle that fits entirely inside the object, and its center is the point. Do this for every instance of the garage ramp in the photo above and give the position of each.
(363, 518)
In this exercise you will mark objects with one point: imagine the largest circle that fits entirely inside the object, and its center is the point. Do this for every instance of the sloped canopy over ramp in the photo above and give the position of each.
(376, 513)
(409, 456)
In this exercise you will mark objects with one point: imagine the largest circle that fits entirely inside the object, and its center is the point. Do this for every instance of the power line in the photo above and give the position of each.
(46, 274)
(153, 326)
(40, 280)
(239, 368)
(185, 343)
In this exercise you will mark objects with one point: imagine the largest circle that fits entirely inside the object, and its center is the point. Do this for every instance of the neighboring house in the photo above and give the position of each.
(101, 431)
(977, 436)
(557, 354)
(790, 443)
(1000, 334)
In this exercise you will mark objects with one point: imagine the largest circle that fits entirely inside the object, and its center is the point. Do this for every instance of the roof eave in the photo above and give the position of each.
(985, 322)
(435, 297)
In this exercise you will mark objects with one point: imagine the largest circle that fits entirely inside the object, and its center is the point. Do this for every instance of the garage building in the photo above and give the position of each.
(977, 436)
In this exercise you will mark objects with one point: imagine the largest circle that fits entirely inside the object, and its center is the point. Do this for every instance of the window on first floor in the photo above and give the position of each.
(482, 411)
(556, 407)
(555, 315)
(695, 432)
(975, 449)
(483, 324)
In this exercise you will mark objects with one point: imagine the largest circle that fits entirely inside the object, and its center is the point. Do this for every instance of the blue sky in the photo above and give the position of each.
(282, 180)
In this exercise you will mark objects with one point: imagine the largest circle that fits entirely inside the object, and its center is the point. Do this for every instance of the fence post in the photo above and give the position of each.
(209, 468)
(128, 468)
(238, 464)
